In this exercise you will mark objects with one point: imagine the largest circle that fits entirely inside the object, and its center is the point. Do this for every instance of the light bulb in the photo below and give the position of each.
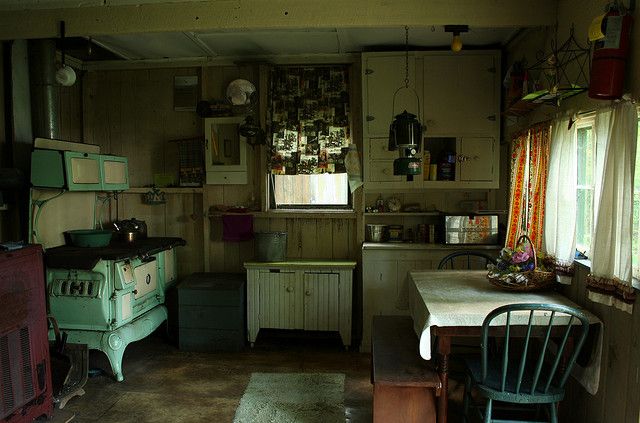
(456, 43)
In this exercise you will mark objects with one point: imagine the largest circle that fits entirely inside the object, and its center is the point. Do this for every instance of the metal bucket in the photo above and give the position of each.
(271, 246)
(376, 233)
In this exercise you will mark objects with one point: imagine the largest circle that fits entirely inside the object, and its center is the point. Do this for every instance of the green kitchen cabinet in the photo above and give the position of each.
(78, 171)
(114, 173)
(82, 171)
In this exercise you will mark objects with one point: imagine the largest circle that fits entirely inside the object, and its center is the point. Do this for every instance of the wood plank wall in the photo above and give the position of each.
(130, 113)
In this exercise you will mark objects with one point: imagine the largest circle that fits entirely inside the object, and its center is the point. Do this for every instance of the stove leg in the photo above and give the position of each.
(113, 346)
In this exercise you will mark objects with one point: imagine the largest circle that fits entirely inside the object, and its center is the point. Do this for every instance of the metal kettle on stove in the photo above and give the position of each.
(131, 229)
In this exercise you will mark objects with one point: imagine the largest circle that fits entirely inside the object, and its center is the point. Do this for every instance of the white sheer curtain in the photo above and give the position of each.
(610, 279)
(560, 209)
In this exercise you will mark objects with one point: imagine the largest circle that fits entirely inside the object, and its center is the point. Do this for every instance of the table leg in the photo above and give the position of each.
(444, 348)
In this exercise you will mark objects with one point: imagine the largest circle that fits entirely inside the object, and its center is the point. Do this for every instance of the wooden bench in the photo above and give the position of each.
(405, 386)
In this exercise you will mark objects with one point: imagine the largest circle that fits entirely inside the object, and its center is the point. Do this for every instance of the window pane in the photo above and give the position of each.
(635, 249)
(327, 189)
(586, 158)
(584, 219)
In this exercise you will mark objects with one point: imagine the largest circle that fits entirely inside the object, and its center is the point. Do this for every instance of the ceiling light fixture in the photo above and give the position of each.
(456, 41)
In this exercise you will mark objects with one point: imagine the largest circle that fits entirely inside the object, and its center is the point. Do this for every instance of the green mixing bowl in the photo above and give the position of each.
(90, 237)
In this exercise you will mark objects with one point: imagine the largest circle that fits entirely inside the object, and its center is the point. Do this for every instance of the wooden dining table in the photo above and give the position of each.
(450, 304)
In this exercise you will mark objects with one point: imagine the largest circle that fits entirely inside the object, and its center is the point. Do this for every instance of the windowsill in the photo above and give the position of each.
(586, 263)
(300, 214)
(310, 214)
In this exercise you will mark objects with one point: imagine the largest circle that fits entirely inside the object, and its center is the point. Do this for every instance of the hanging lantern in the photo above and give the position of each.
(405, 131)
(405, 135)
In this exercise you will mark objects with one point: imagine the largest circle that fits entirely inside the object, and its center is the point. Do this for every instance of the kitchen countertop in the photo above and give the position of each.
(423, 246)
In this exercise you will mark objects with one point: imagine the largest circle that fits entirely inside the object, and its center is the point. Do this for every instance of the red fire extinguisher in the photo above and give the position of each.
(610, 55)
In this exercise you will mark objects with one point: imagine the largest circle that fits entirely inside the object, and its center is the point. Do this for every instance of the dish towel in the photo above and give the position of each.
(237, 227)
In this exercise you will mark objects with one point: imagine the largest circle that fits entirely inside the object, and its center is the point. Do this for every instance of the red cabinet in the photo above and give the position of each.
(25, 369)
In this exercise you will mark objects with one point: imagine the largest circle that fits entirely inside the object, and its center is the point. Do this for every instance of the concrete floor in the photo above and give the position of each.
(164, 384)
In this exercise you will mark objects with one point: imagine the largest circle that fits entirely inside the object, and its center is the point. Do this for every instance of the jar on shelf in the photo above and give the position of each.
(447, 166)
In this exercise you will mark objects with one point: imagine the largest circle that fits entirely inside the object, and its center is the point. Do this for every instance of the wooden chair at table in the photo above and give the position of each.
(462, 347)
(457, 260)
(538, 375)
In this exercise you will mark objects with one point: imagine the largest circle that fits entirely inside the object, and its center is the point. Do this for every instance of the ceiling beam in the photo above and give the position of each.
(215, 15)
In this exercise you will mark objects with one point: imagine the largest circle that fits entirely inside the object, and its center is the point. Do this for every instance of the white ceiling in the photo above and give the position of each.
(315, 38)
(269, 43)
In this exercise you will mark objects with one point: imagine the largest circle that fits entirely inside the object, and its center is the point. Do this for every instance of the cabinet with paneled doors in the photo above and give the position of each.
(385, 276)
(306, 295)
(459, 100)
(225, 151)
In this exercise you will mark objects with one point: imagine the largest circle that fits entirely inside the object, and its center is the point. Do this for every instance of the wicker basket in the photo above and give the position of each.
(530, 280)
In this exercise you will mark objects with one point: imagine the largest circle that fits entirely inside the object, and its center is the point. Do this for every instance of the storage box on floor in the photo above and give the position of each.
(211, 312)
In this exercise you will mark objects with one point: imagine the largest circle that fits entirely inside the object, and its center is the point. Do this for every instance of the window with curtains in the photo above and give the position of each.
(586, 152)
(310, 137)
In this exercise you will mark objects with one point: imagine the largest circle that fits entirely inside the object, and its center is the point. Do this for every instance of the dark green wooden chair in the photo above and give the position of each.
(523, 370)
(466, 260)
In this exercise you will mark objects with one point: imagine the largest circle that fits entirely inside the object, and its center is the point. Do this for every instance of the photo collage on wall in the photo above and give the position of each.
(309, 120)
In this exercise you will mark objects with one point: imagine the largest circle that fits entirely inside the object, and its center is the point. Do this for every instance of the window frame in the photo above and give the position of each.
(271, 202)
(587, 121)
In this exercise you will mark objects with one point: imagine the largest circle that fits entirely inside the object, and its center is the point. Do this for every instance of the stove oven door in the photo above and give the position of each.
(148, 291)
(146, 276)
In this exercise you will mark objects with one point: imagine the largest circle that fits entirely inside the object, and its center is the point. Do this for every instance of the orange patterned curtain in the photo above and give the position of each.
(518, 192)
(529, 171)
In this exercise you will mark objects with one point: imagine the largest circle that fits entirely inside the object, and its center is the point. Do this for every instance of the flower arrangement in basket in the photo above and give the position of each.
(522, 269)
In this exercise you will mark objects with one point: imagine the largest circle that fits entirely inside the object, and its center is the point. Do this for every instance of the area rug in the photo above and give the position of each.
(292, 398)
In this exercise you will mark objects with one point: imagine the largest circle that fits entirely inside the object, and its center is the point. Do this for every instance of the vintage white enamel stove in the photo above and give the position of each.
(108, 297)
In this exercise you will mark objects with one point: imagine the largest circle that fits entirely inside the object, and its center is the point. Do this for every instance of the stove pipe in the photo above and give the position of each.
(44, 90)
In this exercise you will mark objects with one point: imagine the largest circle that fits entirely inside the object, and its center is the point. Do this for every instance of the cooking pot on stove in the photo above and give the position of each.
(131, 229)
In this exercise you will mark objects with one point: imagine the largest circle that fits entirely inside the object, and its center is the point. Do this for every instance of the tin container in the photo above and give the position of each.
(395, 233)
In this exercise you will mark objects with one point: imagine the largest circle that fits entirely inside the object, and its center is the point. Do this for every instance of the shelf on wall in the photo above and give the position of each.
(172, 190)
(429, 213)
(536, 99)
(564, 71)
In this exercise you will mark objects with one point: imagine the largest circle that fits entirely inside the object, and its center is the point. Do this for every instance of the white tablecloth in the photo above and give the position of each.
(465, 297)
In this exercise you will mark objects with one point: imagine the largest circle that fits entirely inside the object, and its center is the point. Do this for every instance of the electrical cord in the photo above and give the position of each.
(40, 205)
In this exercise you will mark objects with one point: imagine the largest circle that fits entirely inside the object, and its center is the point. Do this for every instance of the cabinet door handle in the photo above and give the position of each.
(492, 118)
(370, 118)
(289, 289)
(307, 293)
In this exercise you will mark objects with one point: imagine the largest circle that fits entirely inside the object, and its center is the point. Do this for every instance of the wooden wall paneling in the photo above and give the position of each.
(316, 238)
(278, 225)
(181, 221)
(632, 401)
(261, 224)
(130, 206)
(232, 263)
(115, 120)
(145, 156)
(212, 230)
(70, 107)
(618, 365)
(95, 111)
(341, 238)
(88, 106)
(294, 238)
(593, 406)
(127, 111)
